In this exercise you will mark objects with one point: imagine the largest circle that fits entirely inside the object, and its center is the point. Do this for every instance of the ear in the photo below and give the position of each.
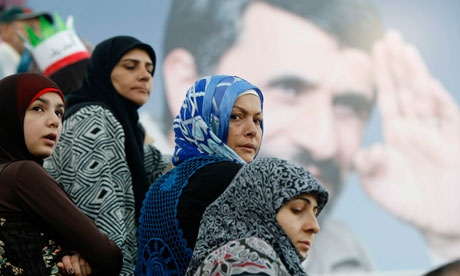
(179, 74)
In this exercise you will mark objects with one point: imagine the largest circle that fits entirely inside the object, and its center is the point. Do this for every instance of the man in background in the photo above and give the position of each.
(321, 71)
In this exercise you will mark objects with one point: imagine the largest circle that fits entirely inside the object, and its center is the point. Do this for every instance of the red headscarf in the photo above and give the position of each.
(17, 92)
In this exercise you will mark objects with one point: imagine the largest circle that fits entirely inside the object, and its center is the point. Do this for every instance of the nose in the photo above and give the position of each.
(250, 128)
(53, 120)
(145, 75)
(310, 224)
(315, 127)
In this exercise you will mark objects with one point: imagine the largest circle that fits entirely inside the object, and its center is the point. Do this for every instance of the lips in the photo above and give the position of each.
(141, 89)
(248, 146)
(50, 138)
(304, 245)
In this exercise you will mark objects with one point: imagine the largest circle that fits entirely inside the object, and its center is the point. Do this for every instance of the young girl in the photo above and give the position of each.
(39, 224)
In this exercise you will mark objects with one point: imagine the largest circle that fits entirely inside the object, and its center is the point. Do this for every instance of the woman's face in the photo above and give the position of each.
(43, 124)
(132, 76)
(245, 131)
(298, 219)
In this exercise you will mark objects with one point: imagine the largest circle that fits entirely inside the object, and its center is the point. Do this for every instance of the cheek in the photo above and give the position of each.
(285, 220)
(30, 131)
(59, 132)
(232, 135)
(350, 137)
(117, 82)
(150, 84)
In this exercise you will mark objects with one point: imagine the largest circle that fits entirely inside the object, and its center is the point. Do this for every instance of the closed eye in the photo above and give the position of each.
(296, 211)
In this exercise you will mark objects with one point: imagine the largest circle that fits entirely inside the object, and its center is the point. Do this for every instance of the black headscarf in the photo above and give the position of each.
(97, 89)
(17, 92)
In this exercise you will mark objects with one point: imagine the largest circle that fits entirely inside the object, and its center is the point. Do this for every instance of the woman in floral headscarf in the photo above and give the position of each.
(218, 129)
(263, 224)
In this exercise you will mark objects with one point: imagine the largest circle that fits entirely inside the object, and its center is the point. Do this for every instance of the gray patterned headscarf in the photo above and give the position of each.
(248, 208)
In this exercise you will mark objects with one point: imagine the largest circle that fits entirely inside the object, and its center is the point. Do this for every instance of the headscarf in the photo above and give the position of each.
(248, 208)
(201, 133)
(97, 89)
(201, 128)
(17, 92)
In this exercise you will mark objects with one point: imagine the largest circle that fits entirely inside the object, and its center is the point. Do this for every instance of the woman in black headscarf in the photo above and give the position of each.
(102, 161)
(39, 223)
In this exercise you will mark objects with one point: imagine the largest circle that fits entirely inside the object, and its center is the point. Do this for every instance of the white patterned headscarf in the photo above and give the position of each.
(248, 208)
(201, 128)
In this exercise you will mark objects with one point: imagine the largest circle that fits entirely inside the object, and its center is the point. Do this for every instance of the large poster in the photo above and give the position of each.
(364, 94)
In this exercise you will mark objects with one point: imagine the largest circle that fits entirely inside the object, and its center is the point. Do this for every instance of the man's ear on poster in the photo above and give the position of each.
(179, 73)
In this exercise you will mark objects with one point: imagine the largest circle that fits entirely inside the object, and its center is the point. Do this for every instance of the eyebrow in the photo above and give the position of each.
(245, 111)
(355, 100)
(47, 102)
(308, 201)
(293, 81)
(136, 61)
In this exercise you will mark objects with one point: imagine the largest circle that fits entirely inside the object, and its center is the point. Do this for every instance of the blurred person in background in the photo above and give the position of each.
(321, 71)
(14, 58)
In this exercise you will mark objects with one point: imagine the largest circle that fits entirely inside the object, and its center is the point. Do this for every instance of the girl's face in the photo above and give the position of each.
(245, 130)
(43, 124)
(298, 219)
(132, 76)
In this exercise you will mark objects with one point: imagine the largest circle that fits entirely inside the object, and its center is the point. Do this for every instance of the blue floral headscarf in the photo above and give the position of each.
(201, 128)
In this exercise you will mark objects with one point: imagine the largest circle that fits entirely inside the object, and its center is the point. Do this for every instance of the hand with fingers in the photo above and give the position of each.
(415, 174)
(74, 265)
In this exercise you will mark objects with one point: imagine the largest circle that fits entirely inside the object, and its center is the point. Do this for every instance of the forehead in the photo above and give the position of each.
(51, 98)
(304, 198)
(248, 100)
(30, 21)
(137, 54)
(275, 43)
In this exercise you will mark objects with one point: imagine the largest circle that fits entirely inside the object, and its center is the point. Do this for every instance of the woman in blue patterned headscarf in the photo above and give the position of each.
(219, 128)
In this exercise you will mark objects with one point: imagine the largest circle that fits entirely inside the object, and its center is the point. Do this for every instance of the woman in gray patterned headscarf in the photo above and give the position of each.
(264, 222)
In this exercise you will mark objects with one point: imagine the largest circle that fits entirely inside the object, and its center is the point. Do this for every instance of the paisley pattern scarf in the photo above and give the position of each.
(248, 208)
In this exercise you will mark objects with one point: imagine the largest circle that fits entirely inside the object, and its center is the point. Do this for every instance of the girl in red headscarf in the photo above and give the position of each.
(39, 223)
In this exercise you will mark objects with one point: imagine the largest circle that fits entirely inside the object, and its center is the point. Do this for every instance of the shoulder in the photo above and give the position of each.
(92, 121)
(27, 173)
(239, 257)
(93, 113)
(221, 169)
(213, 178)
(25, 166)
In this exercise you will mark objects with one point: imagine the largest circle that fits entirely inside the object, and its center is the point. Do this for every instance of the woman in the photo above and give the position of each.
(102, 161)
(38, 221)
(263, 224)
(218, 129)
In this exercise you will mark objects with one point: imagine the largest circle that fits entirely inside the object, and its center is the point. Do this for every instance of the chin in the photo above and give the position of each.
(43, 154)
(140, 101)
(247, 157)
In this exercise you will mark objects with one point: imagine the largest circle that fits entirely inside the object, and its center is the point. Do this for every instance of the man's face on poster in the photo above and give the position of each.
(317, 94)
